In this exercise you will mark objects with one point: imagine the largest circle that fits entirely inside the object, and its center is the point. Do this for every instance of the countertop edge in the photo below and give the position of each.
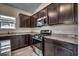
(68, 40)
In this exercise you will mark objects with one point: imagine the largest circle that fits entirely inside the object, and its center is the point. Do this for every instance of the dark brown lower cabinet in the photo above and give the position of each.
(75, 50)
(19, 41)
(14, 42)
(30, 41)
(61, 51)
(59, 48)
(49, 48)
(23, 41)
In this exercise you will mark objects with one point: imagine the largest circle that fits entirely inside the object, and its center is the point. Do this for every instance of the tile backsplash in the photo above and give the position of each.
(57, 29)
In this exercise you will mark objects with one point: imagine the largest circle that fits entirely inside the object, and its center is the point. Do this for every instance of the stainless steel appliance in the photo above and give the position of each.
(38, 41)
(5, 48)
(42, 21)
(7, 22)
(38, 44)
(46, 32)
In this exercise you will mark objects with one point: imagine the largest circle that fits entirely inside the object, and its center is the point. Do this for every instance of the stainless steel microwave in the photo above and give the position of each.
(42, 21)
(7, 22)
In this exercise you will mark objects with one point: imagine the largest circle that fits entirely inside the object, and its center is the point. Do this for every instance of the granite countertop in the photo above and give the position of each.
(59, 37)
(17, 33)
(63, 38)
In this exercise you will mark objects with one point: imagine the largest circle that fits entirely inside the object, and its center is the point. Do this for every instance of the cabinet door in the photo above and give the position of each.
(75, 50)
(22, 41)
(30, 41)
(19, 41)
(66, 45)
(48, 48)
(53, 14)
(26, 40)
(14, 42)
(28, 22)
(75, 13)
(66, 13)
(61, 51)
(34, 20)
(42, 13)
(24, 20)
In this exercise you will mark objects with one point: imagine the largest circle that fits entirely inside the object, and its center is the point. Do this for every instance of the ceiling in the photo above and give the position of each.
(29, 7)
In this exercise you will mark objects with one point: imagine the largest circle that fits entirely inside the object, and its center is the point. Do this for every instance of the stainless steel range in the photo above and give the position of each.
(38, 42)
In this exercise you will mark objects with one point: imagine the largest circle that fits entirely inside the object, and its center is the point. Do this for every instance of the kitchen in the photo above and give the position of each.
(38, 29)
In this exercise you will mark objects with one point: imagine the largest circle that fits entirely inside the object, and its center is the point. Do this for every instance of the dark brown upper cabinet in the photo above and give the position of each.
(56, 13)
(53, 14)
(34, 20)
(24, 20)
(67, 13)
(75, 13)
(42, 13)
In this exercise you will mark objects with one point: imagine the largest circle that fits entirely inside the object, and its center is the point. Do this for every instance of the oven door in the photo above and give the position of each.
(37, 44)
(37, 47)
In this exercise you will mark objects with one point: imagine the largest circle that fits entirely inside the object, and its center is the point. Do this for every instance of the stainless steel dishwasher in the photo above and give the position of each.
(5, 48)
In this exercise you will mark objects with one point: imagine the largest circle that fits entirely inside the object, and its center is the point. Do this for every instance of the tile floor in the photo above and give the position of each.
(27, 51)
